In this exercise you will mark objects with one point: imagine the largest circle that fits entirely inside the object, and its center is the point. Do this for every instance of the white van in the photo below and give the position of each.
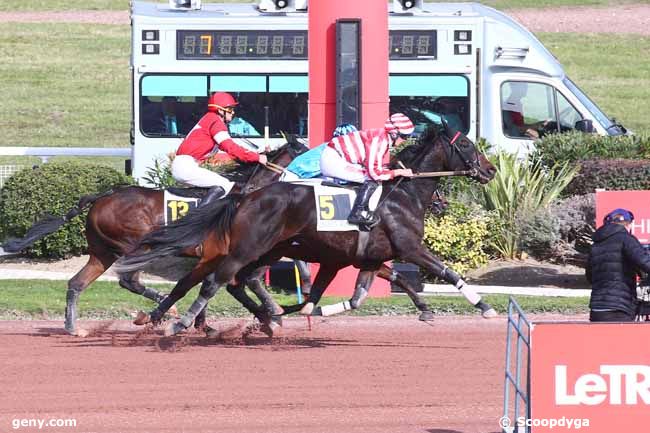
(467, 63)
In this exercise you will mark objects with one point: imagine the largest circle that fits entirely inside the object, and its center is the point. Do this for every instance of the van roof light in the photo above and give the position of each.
(283, 5)
(185, 4)
(407, 6)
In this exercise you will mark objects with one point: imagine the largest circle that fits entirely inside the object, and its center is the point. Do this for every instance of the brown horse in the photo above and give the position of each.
(119, 218)
(280, 220)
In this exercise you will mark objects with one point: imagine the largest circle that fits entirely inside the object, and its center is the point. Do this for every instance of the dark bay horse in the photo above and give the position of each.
(280, 220)
(119, 218)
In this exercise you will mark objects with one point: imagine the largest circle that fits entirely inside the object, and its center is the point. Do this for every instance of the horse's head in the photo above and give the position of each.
(282, 156)
(457, 153)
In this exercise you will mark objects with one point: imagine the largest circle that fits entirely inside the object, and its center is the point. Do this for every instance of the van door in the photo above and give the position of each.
(529, 110)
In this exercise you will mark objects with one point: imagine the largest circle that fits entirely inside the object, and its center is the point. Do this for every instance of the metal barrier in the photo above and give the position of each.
(6, 171)
(517, 322)
(44, 153)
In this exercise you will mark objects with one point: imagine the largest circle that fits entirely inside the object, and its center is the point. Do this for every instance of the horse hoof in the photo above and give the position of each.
(142, 318)
(307, 309)
(79, 332)
(173, 329)
(426, 316)
(210, 331)
(490, 314)
(271, 329)
(173, 311)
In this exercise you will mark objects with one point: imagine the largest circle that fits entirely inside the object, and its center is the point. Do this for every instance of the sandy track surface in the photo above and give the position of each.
(348, 375)
(633, 18)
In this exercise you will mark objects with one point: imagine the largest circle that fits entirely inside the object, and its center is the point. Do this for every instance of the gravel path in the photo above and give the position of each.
(633, 18)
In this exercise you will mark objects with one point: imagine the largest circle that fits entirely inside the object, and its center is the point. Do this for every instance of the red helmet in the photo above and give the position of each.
(220, 100)
(399, 123)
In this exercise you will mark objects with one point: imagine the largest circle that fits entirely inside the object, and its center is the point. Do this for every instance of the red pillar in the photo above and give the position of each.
(322, 85)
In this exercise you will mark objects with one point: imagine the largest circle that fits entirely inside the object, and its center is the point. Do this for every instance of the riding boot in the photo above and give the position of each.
(213, 193)
(360, 213)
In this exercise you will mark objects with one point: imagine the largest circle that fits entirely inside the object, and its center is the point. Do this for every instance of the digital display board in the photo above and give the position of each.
(286, 44)
(245, 44)
(412, 44)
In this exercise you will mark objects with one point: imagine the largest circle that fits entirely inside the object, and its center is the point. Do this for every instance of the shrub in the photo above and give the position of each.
(53, 188)
(537, 231)
(460, 237)
(576, 146)
(520, 187)
(576, 218)
(160, 175)
(612, 174)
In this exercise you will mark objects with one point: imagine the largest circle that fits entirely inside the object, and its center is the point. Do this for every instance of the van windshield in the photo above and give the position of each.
(611, 127)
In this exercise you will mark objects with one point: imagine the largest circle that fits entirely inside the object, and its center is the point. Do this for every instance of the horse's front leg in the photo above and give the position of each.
(225, 272)
(386, 273)
(200, 271)
(423, 258)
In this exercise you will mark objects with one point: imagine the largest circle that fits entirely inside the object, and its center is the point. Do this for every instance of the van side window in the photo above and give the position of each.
(170, 105)
(431, 99)
(526, 109)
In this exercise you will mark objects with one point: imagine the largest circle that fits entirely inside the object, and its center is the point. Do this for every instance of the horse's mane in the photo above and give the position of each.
(241, 172)
(410, 155)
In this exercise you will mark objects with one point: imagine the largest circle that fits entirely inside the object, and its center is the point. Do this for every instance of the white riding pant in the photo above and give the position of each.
(332, 164)
(186, 169)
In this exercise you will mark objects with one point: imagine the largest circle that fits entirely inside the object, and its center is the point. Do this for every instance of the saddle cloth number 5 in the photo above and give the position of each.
(334, 206)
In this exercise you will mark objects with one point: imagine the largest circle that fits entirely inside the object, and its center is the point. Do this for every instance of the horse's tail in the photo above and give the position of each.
(187, 232)
(50, 224)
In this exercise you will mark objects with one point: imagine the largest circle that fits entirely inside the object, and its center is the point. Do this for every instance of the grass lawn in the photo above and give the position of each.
(614, 70)
(65, 85)
(41, 299)
(508, 4)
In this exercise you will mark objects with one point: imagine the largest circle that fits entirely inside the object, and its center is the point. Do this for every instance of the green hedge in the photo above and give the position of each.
(611, 174)
(460, 238)
(576, 146)
(53, 188)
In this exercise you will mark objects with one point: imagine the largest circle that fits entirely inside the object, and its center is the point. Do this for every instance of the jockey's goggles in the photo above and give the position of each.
(229, 110)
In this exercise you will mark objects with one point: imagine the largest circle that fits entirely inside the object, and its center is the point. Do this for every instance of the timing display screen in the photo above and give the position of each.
(247, 44)
(412, 44)
(286, 44)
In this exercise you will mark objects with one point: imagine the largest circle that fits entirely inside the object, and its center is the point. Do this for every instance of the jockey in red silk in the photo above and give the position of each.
(361, 157)
(210, 134)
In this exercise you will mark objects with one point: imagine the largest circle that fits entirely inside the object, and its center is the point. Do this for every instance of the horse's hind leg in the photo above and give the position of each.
(361, 289)
(131, 282)
(305, 277)
(77, 284)
(393, 276)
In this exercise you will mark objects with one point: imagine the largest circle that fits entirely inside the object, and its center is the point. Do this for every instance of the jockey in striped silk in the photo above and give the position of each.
(362, 157)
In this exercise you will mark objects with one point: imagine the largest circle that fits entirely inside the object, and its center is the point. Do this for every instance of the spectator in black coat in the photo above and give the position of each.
(615, 259)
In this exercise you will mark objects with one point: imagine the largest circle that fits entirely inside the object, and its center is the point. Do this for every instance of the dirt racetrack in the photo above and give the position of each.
(348, 375)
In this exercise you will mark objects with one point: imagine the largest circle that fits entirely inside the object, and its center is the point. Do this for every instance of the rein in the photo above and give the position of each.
(444, 173)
